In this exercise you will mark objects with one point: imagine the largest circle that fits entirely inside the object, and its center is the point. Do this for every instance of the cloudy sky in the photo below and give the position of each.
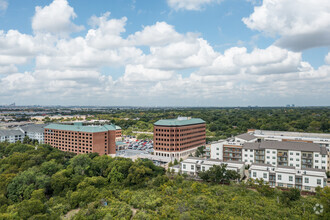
(165, 52)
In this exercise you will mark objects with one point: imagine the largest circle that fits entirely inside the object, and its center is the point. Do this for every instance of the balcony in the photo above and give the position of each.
(260, 158)
(260, 153)
(282, 159)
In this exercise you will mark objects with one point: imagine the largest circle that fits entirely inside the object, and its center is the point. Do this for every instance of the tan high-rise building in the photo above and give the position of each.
(81, 139)
(178, 138)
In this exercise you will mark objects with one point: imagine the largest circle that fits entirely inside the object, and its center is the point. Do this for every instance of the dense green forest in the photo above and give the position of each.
(225, 122)
(40, 182)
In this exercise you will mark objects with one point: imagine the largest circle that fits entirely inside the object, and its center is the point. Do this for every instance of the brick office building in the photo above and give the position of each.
(178, 138)
(81, 139)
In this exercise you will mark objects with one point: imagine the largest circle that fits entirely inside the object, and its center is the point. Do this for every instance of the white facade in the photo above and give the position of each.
(248, 156)
(286, 176)
(193, 165)
(12, 136)
(297, 154)
(217, 150)
(34, 131)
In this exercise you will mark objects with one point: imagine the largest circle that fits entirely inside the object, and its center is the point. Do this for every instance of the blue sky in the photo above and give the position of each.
(165, 53)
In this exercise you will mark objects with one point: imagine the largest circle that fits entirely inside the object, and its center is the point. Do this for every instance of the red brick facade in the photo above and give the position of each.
(82, 142)
(178, 138)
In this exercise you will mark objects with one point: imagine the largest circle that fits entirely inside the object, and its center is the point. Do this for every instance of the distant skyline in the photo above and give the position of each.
(165, 52)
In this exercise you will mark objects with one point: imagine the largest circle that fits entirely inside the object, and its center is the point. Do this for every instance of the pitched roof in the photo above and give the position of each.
(285, 145)
(81, 128)
(246, 136)
(35, 128)
(10, 132)
(179, 122)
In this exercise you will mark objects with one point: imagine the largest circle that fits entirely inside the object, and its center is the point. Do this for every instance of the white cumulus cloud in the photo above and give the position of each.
(55, 18)
(298, 23)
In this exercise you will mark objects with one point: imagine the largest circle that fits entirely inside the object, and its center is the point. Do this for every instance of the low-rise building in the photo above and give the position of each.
(289, 176)
(231, 149)
(278, 153)
(194, 165)
(12, 136)
(34, 131)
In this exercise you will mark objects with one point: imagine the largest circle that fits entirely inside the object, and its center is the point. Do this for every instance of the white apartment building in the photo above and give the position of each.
(11, 136)
(289, 176)
(232, 145)
(193, 165)
(34, 131)
(277, 153)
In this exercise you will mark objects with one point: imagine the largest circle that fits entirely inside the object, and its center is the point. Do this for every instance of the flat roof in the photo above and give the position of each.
(246, 136)
(81, 128)
(179, 122)
(285, 145)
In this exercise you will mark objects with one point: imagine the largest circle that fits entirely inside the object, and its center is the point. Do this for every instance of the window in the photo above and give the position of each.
(316, 161)
(318, 181)
(274, 158)
(297, 159)
(316, 167)
(306, 180)
(184, 166)
(323, 161)
(297, 165)
(297, 154)
(290, 178)
(245, 155)
(254, 174)
(280, 184)
(291, 153)
(273, 163)
(291, 164)
(273, 152)
(192, 167)
(291, 159)
(265, 175)
(217, 148)
(203, 168)
(268, 152)
(251, 155)
(279, 177)
(268, 157)
(289, 185)
(316, 155)
(217, 153)
(307, 188)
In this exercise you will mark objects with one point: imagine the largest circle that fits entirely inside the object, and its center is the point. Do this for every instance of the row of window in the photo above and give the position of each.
(279, 177)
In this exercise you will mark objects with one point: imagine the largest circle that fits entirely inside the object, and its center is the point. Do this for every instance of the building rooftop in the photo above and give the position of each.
(81, 128)
(10, 132)
(285, 145)
(246, 136)
(284, 134)
(35, 128)
(179, 122)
